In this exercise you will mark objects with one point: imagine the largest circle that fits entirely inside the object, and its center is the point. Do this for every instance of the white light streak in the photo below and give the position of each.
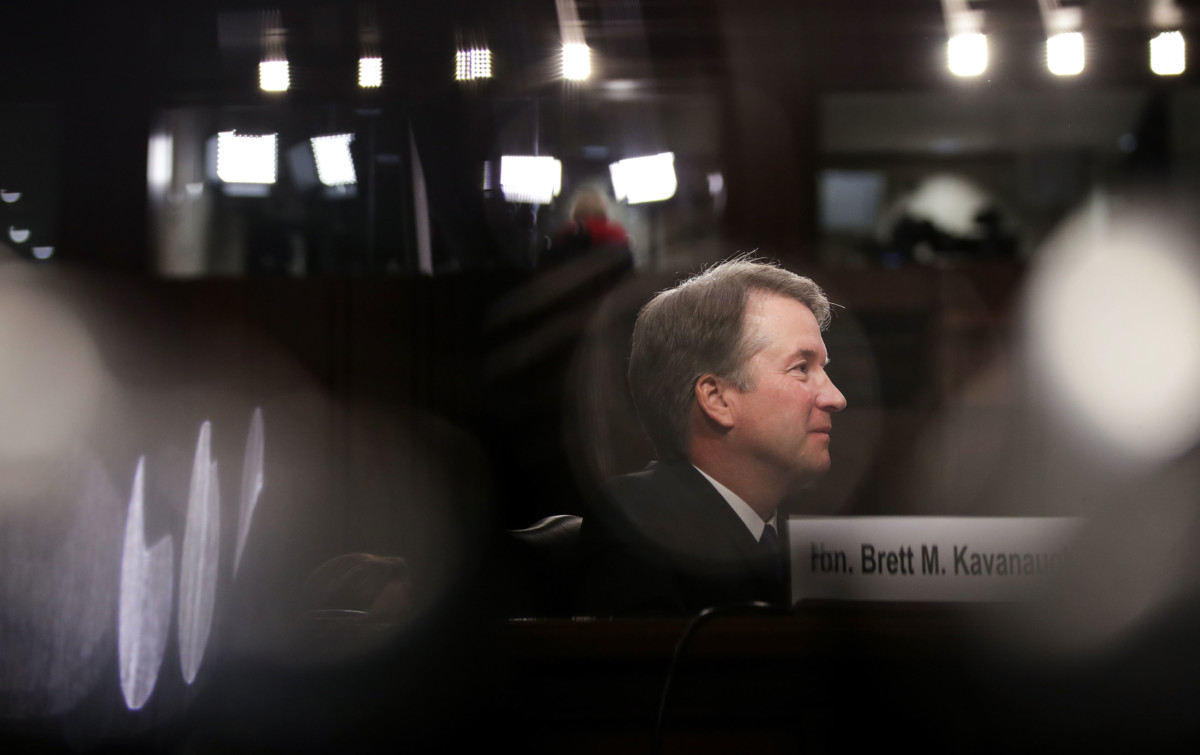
(370, 72)
(200, 558)
(576, 61)
(144, 612)
(1064, 54)
(644, 179)
(716, 183)
(472, 64)
(534, 180)
(252, 483)
(159, 161)
(273, 76)
(622, 85)
(1168, 54)
(967, 54)
(246, 159)
(335, 166)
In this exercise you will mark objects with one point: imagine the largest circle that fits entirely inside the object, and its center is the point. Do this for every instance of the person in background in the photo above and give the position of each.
(589, 229)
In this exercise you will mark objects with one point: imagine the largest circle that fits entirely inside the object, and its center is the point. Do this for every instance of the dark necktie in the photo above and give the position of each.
(769, 542)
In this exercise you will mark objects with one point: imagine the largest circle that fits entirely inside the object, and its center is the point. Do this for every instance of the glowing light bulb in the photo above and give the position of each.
(967, 54)
(472, 64)
(273, 76)
(576, 61)
(1064, 54)
(1168, 54)
(370, 72)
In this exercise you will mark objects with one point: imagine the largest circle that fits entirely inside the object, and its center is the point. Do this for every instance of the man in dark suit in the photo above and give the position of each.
(728, 376)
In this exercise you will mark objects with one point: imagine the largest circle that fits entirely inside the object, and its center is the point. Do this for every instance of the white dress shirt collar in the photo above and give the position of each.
(749, 517)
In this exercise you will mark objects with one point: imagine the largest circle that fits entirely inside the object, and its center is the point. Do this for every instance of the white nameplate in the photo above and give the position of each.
(940, 559)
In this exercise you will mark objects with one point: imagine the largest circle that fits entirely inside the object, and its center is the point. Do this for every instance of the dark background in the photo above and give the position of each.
(420, 408)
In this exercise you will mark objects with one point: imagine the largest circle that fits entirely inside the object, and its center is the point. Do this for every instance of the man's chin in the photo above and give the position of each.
(809, 473)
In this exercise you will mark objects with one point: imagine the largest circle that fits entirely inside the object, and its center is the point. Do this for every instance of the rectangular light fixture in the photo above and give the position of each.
(370, 72)
(472, 64)
(243, 159)
(533, 180)
(967, 54)
(335, 166)
(1064, 53)
(1168, 54)
(576, 61)
(644, 179)
(273, 76)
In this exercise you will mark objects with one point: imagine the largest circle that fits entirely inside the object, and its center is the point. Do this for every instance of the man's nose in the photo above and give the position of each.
(831, 399)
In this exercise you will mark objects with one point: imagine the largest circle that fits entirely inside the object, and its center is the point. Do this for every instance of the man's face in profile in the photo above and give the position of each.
(784, 419)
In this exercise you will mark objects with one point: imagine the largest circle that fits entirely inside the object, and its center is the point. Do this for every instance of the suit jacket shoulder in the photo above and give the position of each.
(665, 541)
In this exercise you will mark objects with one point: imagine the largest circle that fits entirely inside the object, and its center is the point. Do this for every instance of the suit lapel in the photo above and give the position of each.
(732, 546)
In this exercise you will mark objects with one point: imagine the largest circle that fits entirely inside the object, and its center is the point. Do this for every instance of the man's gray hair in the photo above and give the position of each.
(698, 328)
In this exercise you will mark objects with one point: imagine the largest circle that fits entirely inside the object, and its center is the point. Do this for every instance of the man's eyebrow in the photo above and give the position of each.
(809, 354)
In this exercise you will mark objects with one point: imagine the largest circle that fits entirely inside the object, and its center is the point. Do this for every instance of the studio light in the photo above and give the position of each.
(576, 61)
(1168, 54)
(18, 235)
(273, 75)
(472, 64)
(533, 180)
(1064, 54)
(644, 179)
(43, 252)
(370, 72)
(9, 196)
(246, 159)
(335, 166)
(967, 54)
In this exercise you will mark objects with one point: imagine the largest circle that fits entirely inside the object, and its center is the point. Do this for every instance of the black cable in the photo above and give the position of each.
(685, 637)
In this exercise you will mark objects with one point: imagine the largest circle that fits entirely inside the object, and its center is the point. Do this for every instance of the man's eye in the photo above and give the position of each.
(800, 368)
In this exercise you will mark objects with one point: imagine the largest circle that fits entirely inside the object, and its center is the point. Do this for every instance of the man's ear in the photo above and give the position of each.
(714, 398)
